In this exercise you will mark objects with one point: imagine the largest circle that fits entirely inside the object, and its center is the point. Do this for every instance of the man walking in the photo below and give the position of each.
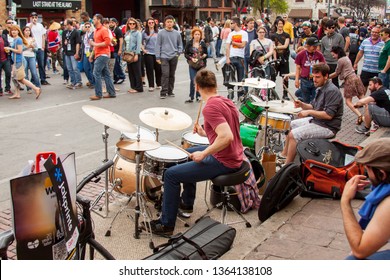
(168, 48)
(384, 58)
(101, 53)
(39, 33)
(71, 42)
(5, 64)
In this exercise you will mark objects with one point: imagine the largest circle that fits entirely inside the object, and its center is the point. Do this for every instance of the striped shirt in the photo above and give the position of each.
(371, 55)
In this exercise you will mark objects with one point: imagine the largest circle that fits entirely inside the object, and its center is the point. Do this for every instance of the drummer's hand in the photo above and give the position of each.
(297, 103)
(303, 114)
(199, 129)
(297, 83)
(197, 156)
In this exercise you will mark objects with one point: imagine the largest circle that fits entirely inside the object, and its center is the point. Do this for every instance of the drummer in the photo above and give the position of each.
(319, 119)
(224, 154)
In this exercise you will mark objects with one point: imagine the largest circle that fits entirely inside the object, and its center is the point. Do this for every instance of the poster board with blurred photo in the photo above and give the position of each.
(38, 229)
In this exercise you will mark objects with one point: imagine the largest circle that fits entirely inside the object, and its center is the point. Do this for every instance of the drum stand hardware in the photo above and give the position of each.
(104, 193)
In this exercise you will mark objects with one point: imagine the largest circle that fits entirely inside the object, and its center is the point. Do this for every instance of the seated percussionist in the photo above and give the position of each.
(224, 154)
(319, 119)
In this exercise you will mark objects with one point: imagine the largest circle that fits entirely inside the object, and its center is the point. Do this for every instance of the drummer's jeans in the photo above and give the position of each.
(187, 173)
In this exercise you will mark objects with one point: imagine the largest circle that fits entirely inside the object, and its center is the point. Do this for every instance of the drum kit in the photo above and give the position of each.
(140, 160)
(264, 120)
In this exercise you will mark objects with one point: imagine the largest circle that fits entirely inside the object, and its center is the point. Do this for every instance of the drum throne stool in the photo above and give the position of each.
(224, 182)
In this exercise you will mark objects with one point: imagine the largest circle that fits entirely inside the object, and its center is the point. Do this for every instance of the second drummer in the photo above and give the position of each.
(224, 154)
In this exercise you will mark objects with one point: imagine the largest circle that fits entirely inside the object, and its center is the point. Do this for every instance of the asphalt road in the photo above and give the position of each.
(57, 123)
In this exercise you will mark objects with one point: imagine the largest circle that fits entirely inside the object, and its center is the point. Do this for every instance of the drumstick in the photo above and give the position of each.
(200, 109)
(176, 146)
(289, 93)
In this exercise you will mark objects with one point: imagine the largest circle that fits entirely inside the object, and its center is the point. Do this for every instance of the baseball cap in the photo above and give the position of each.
(33, 14)
(114, 20)
(306, 24)
(376, 154)
(311, 41)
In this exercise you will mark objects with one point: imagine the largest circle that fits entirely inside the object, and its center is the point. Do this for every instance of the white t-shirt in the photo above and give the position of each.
(38, 31)
(267, 43)
(238, 37)
(215, 30)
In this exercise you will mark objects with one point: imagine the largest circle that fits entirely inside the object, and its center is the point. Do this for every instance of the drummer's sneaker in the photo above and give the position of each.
(186, 208)
(158, 228)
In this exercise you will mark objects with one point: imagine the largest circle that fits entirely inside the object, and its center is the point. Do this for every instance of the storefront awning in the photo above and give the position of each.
(50, 4)
(300, 13)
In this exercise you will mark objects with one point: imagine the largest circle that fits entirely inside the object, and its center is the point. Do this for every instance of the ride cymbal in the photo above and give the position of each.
(165, 118)
(255, 83)
(109, 118)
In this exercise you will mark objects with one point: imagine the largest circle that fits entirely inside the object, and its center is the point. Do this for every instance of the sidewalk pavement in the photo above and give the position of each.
(306, 229)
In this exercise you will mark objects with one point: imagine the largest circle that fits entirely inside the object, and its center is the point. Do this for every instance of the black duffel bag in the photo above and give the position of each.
(205, 240)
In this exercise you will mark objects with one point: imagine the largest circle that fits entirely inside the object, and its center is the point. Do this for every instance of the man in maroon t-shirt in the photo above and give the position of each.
(224, 154)
(305, 61)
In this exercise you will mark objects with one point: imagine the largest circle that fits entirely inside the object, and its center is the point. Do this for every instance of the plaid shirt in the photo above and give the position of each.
(248, 193)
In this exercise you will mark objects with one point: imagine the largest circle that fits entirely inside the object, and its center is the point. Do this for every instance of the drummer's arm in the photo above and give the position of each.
(223, 140)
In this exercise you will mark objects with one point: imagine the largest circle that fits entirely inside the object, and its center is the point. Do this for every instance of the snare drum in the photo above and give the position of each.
(249, 110)
(251, 136)
(159, 160)
(145, 134)
(278, 122)
(123, 175)
(189, 139)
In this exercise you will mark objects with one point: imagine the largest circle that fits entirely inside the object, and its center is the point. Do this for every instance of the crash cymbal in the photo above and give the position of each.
(138, 146)
(109, 118)
(165, 118)
(255, 83)
(279, 106)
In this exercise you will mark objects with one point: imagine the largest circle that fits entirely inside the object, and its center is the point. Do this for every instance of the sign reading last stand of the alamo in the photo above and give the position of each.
(66, 5)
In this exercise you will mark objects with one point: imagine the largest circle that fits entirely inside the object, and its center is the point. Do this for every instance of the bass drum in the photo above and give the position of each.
(122, 175)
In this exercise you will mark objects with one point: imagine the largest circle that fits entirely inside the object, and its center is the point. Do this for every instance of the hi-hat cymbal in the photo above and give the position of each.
(165, 118)
(138, 146)
(109, 118)
(255, 83)
(279, 106)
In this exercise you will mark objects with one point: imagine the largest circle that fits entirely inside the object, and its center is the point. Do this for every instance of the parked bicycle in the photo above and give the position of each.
(86, 241)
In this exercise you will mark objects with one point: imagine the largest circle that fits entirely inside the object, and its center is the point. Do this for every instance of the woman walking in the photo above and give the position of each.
(196, 54)
(153, 69)
(18, 73)
(133, 40)
(353, 85)
(30, 59)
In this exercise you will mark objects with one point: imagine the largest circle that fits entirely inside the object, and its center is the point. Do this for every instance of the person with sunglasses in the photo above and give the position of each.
(5, 61)
(331, 40)
(39, 33)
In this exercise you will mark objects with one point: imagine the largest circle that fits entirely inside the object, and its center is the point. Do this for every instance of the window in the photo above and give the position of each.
(227, 3)
(216, 3)
(157, 2)
(216, 16)
(203, 15)
(204, 3)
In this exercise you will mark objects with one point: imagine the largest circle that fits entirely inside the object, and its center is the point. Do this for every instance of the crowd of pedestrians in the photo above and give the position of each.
(96, 45)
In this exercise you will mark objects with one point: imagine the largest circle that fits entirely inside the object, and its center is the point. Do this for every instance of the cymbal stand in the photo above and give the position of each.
(157, 133)
(265, 148)
(104, 192)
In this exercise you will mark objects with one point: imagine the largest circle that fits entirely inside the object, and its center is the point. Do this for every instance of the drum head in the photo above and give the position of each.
(167, 154)
(277, 116)
(145, 134)
(195, 138)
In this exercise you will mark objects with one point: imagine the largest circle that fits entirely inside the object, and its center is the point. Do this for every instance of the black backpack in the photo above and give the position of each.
(208, 34)
(354, 46)
(254, 57)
